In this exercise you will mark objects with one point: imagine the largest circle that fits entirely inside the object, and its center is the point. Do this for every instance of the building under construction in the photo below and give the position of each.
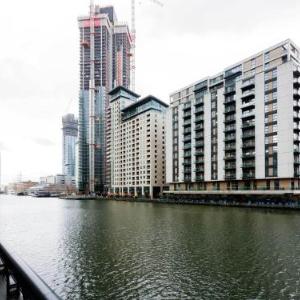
(105, 47)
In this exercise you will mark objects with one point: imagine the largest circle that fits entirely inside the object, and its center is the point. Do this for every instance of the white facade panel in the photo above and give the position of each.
(221, 135)
(180, 144)
(239, 170)
(285, 120)
(207, 137)
(259, 127)
(169, 147)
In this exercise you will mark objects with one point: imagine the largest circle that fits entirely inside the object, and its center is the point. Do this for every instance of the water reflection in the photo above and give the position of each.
(93, 250)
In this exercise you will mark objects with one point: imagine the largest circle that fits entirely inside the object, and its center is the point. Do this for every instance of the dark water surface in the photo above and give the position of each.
(119, 250)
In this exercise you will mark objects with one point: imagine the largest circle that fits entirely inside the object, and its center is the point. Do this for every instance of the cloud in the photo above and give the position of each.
(43, 142)
(3, 147)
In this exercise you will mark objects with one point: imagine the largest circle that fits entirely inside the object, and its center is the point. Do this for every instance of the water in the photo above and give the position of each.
(120, 250)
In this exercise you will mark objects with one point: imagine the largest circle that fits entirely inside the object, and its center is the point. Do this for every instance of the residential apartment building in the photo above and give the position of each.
(104, 62)
(70, 133)
(137, 144)
(240, 128)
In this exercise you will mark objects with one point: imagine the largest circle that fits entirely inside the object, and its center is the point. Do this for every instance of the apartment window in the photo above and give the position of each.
(267, 56)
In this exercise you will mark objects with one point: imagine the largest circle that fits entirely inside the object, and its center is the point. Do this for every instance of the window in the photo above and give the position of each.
(267, 56)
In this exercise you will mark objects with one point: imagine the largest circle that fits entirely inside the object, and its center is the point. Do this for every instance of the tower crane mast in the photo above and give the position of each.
(133, 36)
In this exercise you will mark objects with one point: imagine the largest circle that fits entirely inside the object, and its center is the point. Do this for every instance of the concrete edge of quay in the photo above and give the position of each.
(248, 199)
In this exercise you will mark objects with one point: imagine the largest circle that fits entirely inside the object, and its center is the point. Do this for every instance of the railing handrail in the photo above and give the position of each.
(31, 284)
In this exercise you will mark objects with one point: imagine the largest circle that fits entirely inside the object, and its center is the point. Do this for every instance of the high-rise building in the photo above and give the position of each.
(137, 144)
(70, 133)
(240, 128)
(104, 62)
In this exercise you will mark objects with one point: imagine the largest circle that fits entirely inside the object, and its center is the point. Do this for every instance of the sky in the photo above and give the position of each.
(177, 44)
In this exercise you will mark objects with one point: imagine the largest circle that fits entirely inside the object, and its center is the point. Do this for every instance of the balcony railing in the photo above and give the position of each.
(250, 164)
(199, 110)
(248, 134)
(199, 127)
(229, 128)
(187, 105)
(248, 155)
(199, 119)
(248, 125)
(248, 94)
(20, 278)
(229, 90)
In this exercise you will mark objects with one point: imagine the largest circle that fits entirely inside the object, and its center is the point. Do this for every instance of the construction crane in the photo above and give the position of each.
(133, 36)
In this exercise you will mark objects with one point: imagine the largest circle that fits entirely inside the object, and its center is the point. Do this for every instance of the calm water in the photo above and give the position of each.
(115, 250)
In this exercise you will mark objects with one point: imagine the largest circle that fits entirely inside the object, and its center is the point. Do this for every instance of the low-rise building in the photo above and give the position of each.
(137, 150)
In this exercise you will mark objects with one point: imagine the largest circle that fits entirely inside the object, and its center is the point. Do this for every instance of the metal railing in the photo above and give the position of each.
(20, 278)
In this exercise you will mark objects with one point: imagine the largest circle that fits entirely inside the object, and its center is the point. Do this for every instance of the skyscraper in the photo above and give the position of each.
(104, 63)
(70, 133)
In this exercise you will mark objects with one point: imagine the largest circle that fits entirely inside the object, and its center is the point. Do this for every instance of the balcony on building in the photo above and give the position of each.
(248, 155)
(187, 146)
(296, 83)
(296, 94)
(201, 86)
(199, 110)
(296, 128)
(199, 169)
(199, 127)
(187, 138)
(229, 128)
(199, 135)
(230, 109)
(229, 119)
(199, 144)
(296, 116)
(199, 152)
(230, 166)
(248, 83)
(187, 106)
(230, 147)
(296, 105)
(187, 162)
(248, 164)
(199, 102)
(199, 119)
(230, 176)
(296, 72)
(248, 124)
(187, 154)
(230, 137)
(248, 144)
(229, 100)
(187, 178)
(248, 94)
(248, 103)
(199, 177)
(248, 134)
(199, 160)
(187, 130)
(187, 114)
(229, 90)
(249, 175)
(248, 114)
(230, 156)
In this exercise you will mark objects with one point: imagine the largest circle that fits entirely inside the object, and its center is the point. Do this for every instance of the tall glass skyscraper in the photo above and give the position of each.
(70, 133)
(105, 47)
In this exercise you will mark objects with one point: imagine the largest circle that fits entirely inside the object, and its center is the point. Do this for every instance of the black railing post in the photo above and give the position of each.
(21, 278)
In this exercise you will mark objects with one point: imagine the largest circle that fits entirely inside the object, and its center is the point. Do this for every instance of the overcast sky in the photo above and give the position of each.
(176, 45)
